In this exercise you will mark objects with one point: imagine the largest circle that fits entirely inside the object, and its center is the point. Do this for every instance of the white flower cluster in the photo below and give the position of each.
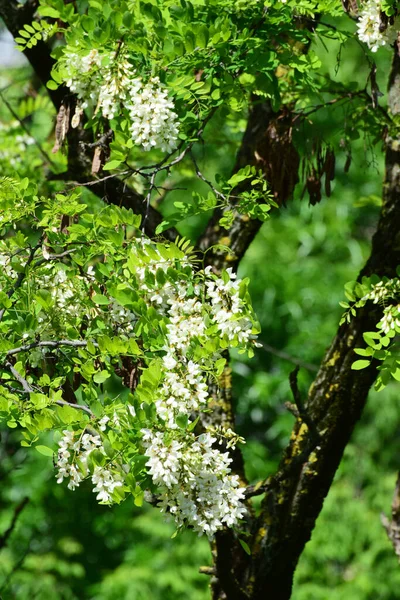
(67, 295)
(188, 314)
(116, 88)
(75, 449)
(76, 66)
(197, 486)
(109, 82)
(227, 307)
(122, 319)
(391, 319)
(5, 266)
(369, 28)
(200, 310)
(72, 461)
(383, 290)
(183, 391)
(105, 483)
(195, 480)
(154, 122)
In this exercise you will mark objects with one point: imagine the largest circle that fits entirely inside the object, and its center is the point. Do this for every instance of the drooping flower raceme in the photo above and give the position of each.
(195, 481)
(370, 29)
(154, 122)
(110, 84)
(75, 450)
(193, 476)
(147, 316)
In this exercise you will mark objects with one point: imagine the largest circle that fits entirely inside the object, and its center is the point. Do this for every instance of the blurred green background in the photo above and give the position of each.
(66, 546)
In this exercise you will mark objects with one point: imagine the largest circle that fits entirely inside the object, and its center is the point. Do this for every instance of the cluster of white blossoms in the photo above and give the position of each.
(183, 391)
(72, 449)
(391, 319)
(73, 454)
(154, 122)
(369, 27)
(66, 294)
(122, 318)
(78, 80)
(227, 307)
(109, 83)
(383, 290)
(195, 480)
(200, 314)
(105, 483)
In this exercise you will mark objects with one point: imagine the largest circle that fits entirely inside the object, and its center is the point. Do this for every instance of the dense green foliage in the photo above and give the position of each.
(67, 546)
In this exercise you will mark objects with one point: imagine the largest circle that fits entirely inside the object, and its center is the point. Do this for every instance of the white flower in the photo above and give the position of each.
(103, 423)
(369, 26)
(105, 483)
(71, 450)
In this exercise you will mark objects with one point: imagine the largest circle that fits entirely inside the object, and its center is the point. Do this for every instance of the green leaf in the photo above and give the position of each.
(47, 11)
(360, 364)
(112, 164)
(52, 85)
(44, 450)
(138, 497)
(182, 420)
(101, 377)
(245, 547)
(100, 299)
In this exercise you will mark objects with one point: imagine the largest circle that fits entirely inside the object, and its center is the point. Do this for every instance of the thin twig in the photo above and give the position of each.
(27, 389)
(43, 260)
(285, 356)
(96, 181)
(25, 385)
(101, 141)
(200, 175)
(49, 344)
(77, 406)
(148, 199)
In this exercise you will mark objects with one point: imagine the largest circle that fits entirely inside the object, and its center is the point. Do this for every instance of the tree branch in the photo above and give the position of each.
(300, 408)
(49, 344)
(335, 403)
(288, 357)
(267, 145)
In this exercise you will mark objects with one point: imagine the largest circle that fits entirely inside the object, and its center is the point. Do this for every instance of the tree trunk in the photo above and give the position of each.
(295, 494)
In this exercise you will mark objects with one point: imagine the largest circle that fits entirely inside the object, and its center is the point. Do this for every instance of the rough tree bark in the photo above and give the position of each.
(294, 495)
